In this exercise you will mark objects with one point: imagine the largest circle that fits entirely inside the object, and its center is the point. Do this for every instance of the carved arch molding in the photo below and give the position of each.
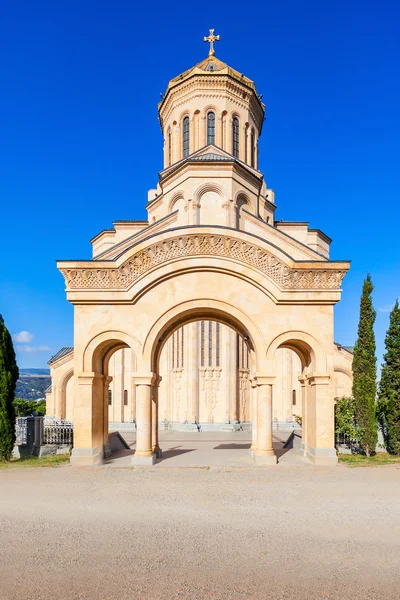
(124, 276)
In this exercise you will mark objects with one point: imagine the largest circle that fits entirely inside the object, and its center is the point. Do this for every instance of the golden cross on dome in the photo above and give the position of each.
(211, 38)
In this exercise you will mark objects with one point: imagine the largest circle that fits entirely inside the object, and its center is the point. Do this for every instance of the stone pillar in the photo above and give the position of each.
(242, 142)
(88, 420)
(194, 370)
(320, 421)
(229, 136)
(304, 386)
(106, 383)
(202, 132)
(254, 390)
(154, 419)
(144, 453)
(264, 452)
(249, 146)
(192, 133)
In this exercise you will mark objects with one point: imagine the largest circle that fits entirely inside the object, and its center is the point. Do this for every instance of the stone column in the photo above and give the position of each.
(229, 136)
(249, 146)
(144, 453)
(88, 420)
(154, 419)
(194, 370)
(320, 421)
(304, 385)
(242, 142)
(202, 132)
(264, 452)
(254, 390)
(106, 383)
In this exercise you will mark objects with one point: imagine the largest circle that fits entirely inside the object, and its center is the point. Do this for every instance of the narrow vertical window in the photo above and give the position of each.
(169, 147)
(210, 343)
(182, 349)
(217, 352)
(109, 397)
(210, 128)
(185, 137)
(173, 350)
(235, 137)
(294, 397)
(253, 148)
(125, 397)
(246, 138)
(202, 344)
(177, 349)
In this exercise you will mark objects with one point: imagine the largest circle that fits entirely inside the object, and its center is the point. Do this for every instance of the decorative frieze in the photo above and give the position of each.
(192, 245)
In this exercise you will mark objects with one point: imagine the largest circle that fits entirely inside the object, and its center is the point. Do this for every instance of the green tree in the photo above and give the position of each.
(24, 408)
(364, 372)
(344, 418)
(389, 387)
(8, 379)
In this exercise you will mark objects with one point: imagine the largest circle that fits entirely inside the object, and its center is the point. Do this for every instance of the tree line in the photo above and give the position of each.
(372, 404)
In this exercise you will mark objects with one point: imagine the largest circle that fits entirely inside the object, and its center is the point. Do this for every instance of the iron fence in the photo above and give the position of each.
(59, 433)
(21, 431)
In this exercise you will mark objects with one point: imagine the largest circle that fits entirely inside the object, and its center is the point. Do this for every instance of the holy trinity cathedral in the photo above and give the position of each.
(211, 313)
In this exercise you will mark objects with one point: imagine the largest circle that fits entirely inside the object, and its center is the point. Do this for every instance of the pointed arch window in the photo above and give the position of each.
(235, 137)
(211, 128)
(186, 137)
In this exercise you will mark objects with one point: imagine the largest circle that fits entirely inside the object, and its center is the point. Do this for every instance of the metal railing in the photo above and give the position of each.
(21, 431)
(59, 433)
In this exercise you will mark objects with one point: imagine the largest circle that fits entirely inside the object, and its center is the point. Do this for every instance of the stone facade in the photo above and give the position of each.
(210, 252)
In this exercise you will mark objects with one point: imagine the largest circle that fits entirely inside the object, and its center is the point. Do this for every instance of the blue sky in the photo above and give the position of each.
(80, 84)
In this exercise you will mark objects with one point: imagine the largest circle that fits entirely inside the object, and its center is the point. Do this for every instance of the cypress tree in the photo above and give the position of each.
(8, 378)
(364, 372)
(389, 387)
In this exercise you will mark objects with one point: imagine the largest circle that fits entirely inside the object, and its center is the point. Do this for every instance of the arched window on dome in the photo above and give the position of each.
(210, 128)
(235, 137)
(253, 148)
(186, 138)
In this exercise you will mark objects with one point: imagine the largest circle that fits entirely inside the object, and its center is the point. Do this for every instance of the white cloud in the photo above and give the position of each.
(32, 349)
(389, 308)
(23, 337)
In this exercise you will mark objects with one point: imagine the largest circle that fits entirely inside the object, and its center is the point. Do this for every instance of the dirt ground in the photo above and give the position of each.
(223, 533)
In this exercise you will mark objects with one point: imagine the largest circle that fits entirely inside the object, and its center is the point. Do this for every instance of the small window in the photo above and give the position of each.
(185, 137)
(294, 397)
(211, 128)
(109, 397)
(125, 397)
(235, 137)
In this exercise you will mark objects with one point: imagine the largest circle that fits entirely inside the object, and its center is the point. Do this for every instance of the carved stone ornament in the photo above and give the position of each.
(123, 277)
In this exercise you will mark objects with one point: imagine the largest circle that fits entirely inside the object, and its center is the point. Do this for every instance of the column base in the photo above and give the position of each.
(86, 457)
(251, 452)
(143, 461)
(268, 460)
(322, 456)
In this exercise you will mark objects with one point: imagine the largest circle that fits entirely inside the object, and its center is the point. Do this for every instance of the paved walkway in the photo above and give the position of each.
(206, 449)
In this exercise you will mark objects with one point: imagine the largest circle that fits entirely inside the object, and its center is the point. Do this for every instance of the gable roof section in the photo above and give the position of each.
(60, 354)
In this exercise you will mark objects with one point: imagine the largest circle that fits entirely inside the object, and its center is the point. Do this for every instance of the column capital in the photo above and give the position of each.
(319, 379)
(88, 378)
(264, 379)
(144, 378)
(107, 379)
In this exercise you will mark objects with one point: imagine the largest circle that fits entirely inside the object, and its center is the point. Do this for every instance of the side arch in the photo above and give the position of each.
(305, 345)
(103, 345)
(62, 393)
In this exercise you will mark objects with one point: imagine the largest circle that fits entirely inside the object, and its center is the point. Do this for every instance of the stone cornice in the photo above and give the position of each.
(307, 275)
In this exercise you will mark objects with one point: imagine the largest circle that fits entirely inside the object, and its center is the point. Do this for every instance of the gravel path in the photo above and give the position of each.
(279, 533)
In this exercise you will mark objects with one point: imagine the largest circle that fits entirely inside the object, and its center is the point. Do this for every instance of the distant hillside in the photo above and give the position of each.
(32, 383)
